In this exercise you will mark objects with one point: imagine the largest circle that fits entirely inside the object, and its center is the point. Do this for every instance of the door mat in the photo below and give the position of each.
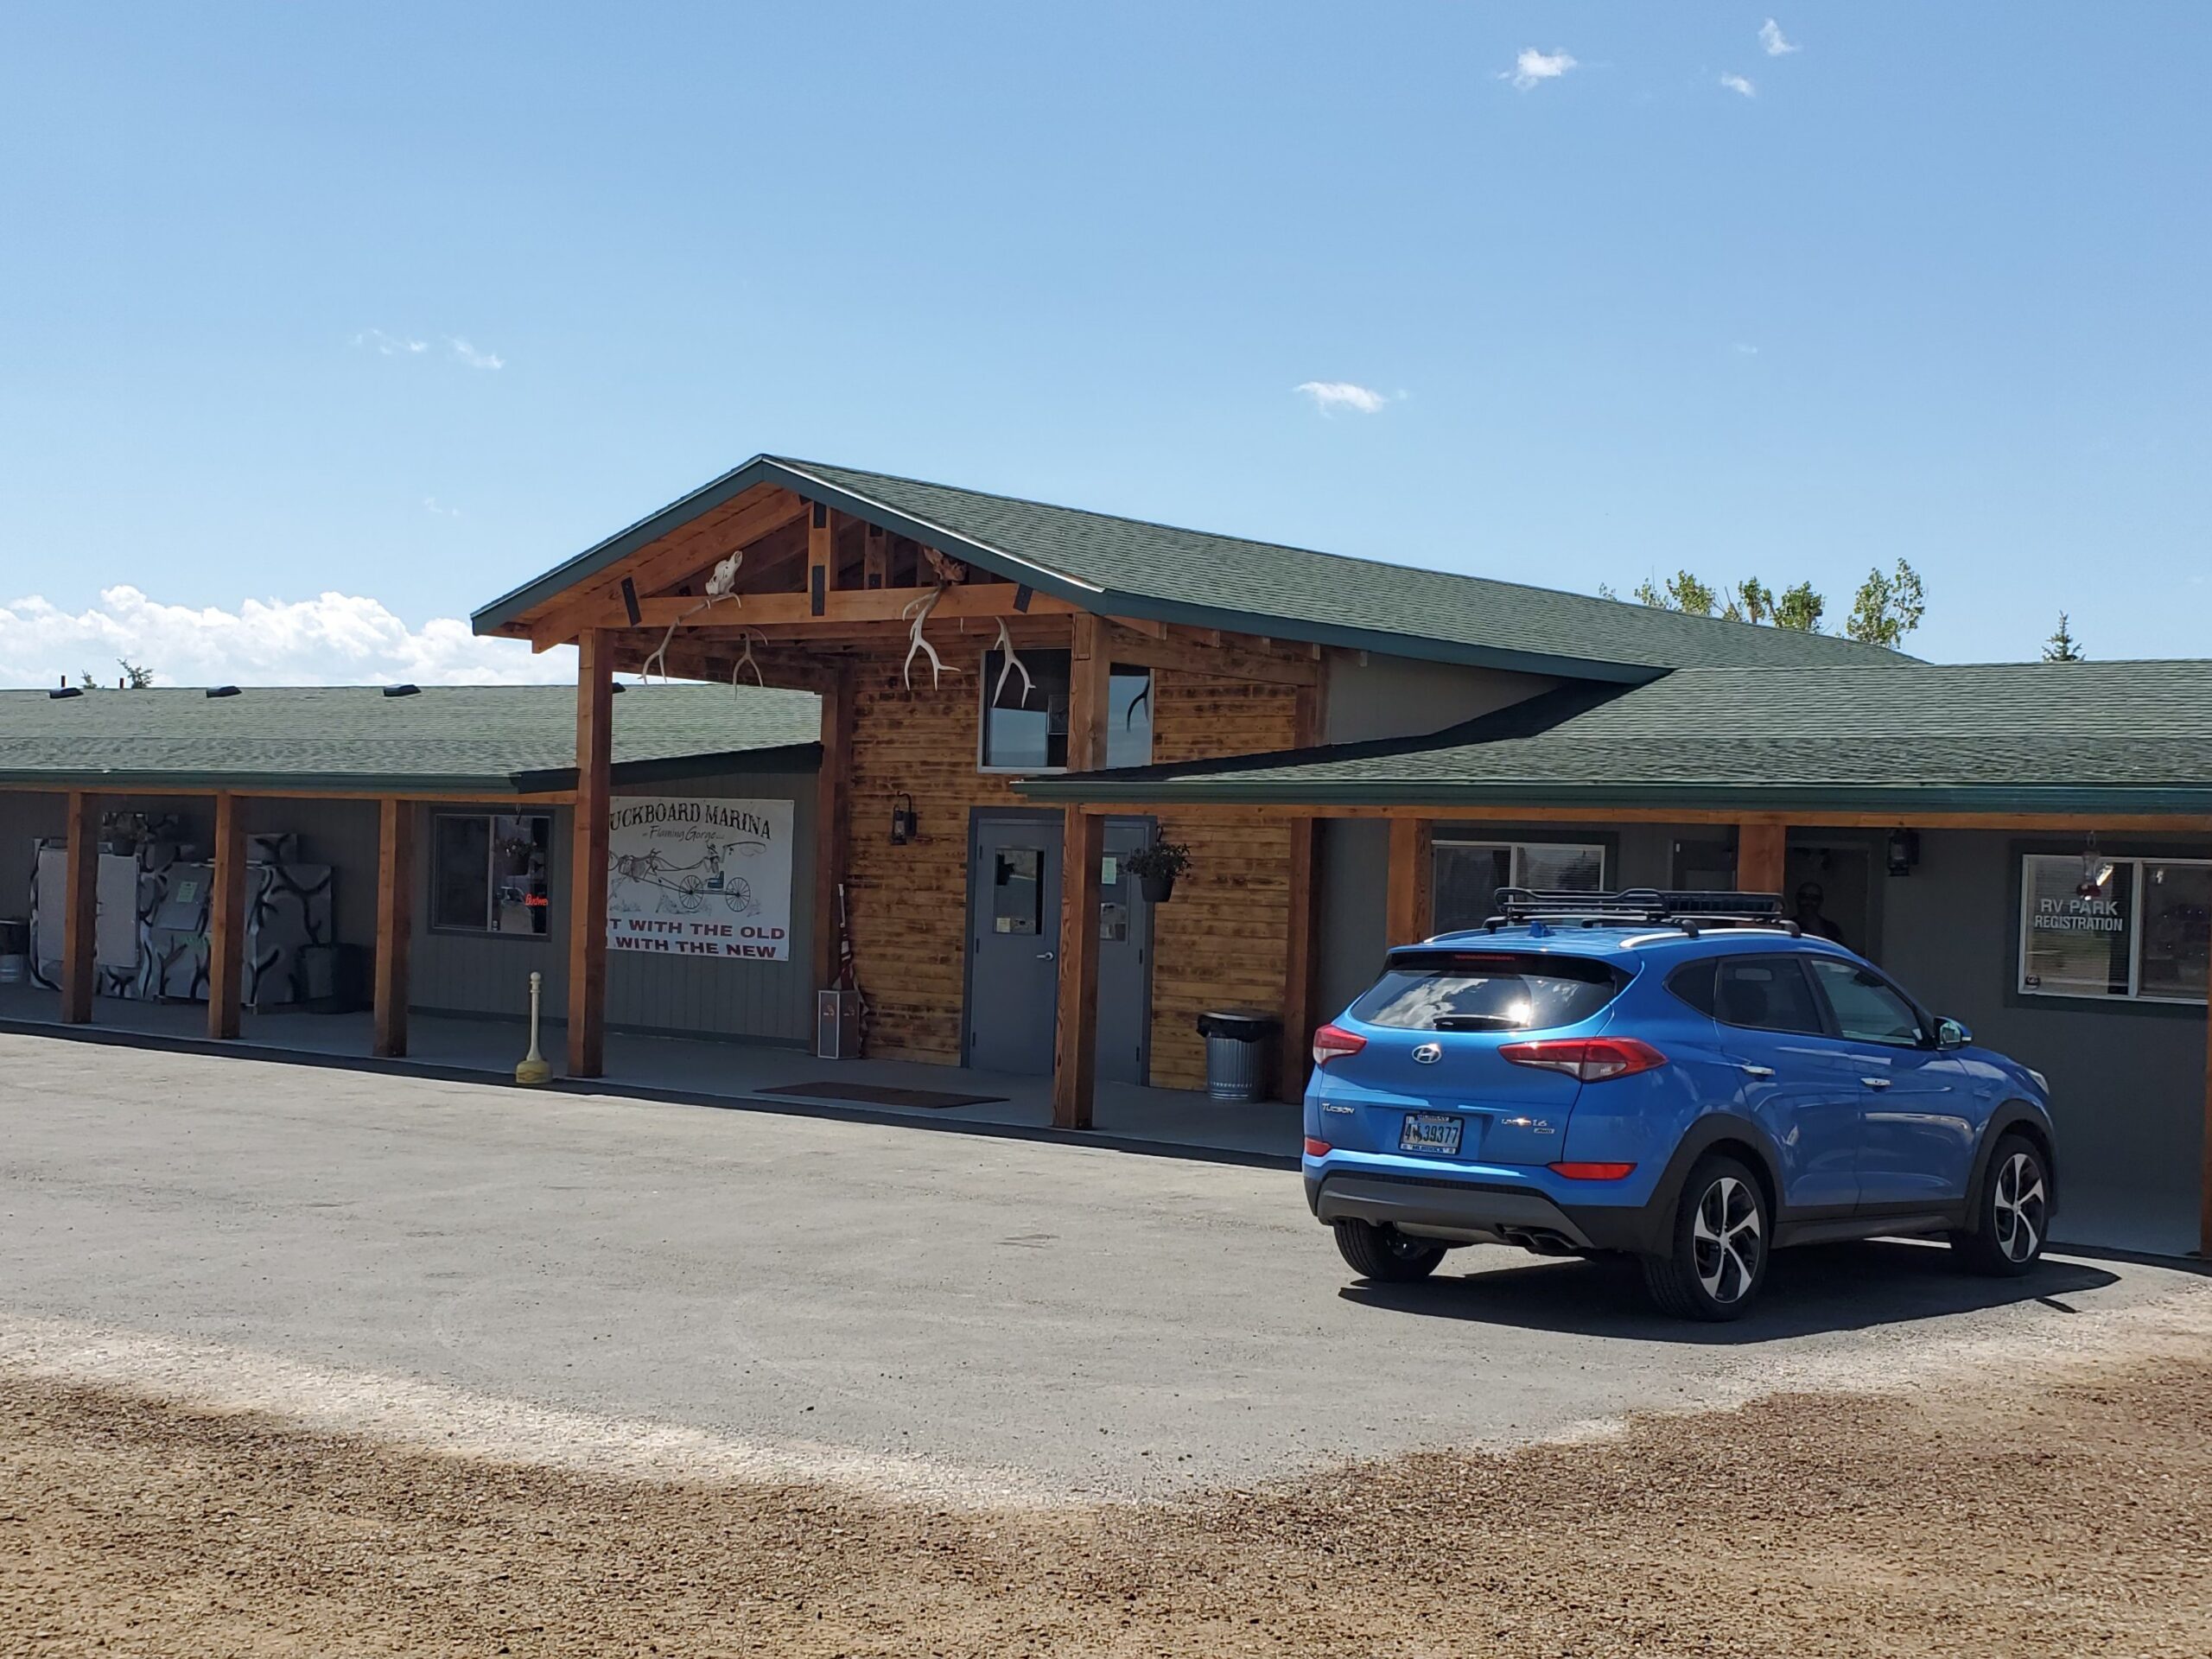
(876, 1095)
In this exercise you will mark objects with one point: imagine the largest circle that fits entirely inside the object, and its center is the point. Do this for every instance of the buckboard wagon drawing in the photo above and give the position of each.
(686, 889)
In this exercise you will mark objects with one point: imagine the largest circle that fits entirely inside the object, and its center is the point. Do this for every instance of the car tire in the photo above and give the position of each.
(2012, 1213)
(1384, 1254)
(1718, 1246)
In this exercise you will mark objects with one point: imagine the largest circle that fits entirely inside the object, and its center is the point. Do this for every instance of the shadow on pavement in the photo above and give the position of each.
(1809, 1290)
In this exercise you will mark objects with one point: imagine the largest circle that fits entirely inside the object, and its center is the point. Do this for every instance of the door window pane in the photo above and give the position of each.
(519, 847)
(1017, 890)
(1767, 994)
(2177, 931)
(2079, 936)
(1867, 1009)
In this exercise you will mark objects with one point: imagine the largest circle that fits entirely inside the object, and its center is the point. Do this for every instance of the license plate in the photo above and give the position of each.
(1430, 1132)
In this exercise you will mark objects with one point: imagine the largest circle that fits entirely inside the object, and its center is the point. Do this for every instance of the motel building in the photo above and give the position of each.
(922, 729)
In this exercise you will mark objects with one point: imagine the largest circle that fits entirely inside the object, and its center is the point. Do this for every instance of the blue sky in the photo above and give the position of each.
(1937, 287)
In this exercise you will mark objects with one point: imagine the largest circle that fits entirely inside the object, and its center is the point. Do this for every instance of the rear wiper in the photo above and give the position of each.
(1477, 1022)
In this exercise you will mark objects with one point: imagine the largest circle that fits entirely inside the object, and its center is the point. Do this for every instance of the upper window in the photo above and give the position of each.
(1025, 724)
(1767, 994)
(1867, 1007)
(488, 872)
(1469, 873)
(2092, 926)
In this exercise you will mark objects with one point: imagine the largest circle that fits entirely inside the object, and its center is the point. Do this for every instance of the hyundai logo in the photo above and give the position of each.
(1429, 1053)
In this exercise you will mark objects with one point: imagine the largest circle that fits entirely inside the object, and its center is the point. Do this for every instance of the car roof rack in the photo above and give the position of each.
(1640, 907)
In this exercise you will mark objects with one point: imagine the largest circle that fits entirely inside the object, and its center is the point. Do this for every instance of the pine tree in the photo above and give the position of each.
(2062, 647)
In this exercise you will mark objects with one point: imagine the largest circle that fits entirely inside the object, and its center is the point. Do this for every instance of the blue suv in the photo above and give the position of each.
(1685, 1077)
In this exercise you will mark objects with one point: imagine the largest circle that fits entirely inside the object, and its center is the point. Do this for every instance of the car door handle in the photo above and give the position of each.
(1047, 955)
(1759, 1070)
(1875, 1083)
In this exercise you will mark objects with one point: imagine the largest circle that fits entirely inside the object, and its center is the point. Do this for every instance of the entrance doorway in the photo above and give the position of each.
(1842, 871)
(1014, 942)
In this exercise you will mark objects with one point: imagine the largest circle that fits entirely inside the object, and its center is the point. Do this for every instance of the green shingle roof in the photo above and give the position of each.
(1131, 567)
(1993, 737)
(498, 739)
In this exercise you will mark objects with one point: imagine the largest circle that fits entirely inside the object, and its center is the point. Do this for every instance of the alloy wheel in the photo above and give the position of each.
(1727, 1239)
(2019, 1207)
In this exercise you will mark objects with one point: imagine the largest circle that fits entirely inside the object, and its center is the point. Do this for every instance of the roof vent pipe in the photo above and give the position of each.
(222, 691)
(67, 691)
(403, 689)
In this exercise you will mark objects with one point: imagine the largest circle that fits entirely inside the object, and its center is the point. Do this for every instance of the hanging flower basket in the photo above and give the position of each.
(1156, 867)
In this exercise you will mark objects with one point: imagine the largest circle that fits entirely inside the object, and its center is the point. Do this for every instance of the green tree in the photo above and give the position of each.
(1683, 592)
(90, 681)
(2062, 647)
(1800, 609)
(1887, 608)
(1749, 601)
(135, 678)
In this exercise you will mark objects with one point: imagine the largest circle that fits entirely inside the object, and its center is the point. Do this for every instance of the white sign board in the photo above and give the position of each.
(700, 878)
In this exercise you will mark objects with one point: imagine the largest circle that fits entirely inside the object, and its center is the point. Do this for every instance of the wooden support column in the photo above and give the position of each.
(1075, 1037)
(587, 856)
(395, 925)
(1301, 960)
(227, 920)
(1759, 857)
(820, 558)
(80, 914)
(1408, 907)
(832, 826)
(2204, 1191)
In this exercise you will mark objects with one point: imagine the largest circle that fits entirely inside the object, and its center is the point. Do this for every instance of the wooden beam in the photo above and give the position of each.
(875, 558)
(820, 558)
(587, 859)
(833, 827)
(988, 599)
(2204, 1190)
(1224, 661)
(1406, 907)
(395, 926)
(1797, 817)
(1075, 1036)
(1091, 665)
(1760, 852)
(80, 912)
(227, 920)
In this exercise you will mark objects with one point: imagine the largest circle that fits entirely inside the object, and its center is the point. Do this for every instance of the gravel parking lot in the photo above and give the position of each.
(298, 1359)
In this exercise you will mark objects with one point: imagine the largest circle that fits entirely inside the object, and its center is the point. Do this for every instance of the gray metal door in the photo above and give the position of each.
(1013, 937)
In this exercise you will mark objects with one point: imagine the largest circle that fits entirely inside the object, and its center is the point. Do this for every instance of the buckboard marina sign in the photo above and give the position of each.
(700, 878)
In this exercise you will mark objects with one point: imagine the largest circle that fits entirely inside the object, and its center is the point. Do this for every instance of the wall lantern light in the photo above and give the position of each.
(1904, 851)
(905, 827)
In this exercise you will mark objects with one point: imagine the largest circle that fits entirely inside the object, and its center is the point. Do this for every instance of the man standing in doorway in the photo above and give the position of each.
(1810, 898)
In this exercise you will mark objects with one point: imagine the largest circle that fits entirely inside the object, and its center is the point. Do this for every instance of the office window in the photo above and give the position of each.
(2138, 929)
(1468, 874)
(489, 873)
(1025, 728)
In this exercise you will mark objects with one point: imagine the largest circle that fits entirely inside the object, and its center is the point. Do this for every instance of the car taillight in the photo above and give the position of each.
(1334, 1043)
(1594, 1060)
(1316, 1148)
(1591, 1172)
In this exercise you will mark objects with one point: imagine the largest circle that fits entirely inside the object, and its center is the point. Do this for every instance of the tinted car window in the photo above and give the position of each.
(1768, 993)
(1694, 984)
(1867, 1007)
(1488, 991)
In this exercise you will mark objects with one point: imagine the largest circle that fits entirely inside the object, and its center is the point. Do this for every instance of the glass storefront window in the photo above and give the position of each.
(2177, 930)
(1468, 873)
(2143, 931)
(1026, 729)
(489, 873)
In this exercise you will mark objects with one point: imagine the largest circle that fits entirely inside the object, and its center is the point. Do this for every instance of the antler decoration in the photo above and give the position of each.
(1013, 663)
(745, 637)
(719, 585)
(917, 610)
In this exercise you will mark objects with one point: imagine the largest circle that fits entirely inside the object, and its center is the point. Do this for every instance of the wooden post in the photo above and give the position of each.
(1301, 959)
(1407, 909)
(2204, 1191)
(1075, 1037)
(1760, 851)
(588, 855)
(875, 559)
(821, 558)
(395, 925)
(227, 920)
(833, 826)
(80, 912)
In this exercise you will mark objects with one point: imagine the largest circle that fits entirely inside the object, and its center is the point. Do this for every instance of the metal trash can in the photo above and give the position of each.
(1240, 1052)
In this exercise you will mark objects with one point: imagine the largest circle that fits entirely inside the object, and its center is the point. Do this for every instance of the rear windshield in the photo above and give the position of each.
(1496, 991)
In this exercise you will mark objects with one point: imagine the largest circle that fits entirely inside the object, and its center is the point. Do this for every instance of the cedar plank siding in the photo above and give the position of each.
(1220, 942)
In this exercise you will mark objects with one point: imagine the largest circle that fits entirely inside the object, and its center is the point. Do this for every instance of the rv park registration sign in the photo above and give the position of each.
(700, 878)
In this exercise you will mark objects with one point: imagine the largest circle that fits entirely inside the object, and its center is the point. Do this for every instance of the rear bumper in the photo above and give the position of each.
(1468, 1212)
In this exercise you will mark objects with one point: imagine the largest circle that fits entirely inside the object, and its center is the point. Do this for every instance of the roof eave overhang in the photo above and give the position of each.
(506, 613)
(2184, 802)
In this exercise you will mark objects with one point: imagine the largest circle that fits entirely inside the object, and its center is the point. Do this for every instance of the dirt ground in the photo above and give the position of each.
(2068, 1513)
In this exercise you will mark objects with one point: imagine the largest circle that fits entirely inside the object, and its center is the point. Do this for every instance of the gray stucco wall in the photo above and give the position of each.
(1398, 696)
(460, 972)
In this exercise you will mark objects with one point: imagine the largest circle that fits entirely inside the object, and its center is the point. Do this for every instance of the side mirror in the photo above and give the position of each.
(1950, 1034)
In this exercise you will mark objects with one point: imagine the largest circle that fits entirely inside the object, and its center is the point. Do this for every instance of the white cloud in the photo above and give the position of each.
(1533, 67)
(1744, 348)
(1738, 84)
(1330, 396)
(385, 345)
(475, 360)
(430, 502)
(1771, 38)
(332, 640)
